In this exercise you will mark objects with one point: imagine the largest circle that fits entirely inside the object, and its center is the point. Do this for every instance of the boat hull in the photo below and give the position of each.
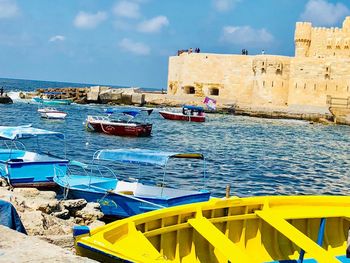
(181, 117)
(257, 229)
(122, 203)
(121, 129)
(57, 115)
(34, 171)
(53, 102)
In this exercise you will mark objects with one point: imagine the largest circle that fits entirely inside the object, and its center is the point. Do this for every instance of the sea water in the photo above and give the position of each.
(254, 156)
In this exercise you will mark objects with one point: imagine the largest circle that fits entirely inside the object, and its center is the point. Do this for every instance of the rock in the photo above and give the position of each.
(90, 212)
(64, 214)
(5, 100)
(17, 247)
(49, 207)
(138, 99)
(93, 94)
(33, 222)
(111, 95)
(63, 241)
(74, 204)
(51, 195)
(27, 192)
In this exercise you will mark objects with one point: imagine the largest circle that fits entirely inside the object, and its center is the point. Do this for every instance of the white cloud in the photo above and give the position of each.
(154, 24)
(321, 12)
(224, 5)
(57, 38)
(246, 35)
(134, 47)
(88, 21)
(8, 9)
(127, 9)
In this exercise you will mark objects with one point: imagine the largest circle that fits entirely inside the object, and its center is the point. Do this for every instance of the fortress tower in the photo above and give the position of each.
(302, 39)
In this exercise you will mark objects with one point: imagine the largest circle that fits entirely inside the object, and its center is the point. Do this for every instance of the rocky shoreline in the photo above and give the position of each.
(137, 97)
(48, 218)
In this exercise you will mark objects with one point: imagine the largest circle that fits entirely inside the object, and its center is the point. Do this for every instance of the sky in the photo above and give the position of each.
(128, 42)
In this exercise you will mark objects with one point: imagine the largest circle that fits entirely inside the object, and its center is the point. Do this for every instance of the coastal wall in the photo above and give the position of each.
(320, 68)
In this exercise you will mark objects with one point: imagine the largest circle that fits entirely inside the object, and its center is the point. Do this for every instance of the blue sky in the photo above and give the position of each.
(128, 42)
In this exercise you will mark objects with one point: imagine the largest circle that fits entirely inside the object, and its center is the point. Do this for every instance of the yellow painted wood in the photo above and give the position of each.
(219, 240)
(309, 246)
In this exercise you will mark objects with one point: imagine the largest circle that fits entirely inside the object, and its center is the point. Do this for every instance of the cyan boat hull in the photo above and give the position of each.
(53, 102)
(121, 204)
(27, 169)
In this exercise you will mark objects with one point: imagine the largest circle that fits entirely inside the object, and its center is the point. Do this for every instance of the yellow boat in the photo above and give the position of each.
(255, 229)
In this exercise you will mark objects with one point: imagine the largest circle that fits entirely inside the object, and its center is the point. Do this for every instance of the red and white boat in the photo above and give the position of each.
(189, 113)
(119, 127)
(52, 113)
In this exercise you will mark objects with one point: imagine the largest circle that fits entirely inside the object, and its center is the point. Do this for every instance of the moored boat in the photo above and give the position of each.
(255, 229)
(189, 113)
(52, 102)
(122, 198)
(24, 168)
(119, 126)
(52, 113)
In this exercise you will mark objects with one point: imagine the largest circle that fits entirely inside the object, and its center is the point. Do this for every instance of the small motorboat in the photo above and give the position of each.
(268, 229)
(52, 113)
(120, 126)
(123, 198)
(25, 168)
(189, 113)
(52, 101)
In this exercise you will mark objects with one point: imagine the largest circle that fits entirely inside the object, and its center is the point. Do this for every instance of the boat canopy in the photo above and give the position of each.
(191, 107)
(128, 111)
(24, 132)
(142, 156)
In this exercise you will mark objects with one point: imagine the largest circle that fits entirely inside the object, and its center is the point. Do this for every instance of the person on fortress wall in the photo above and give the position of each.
(262, 52)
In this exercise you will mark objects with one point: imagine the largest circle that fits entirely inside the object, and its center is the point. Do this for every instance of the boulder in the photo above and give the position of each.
(90, 213)
(5, 100)
(64, 214)
(96, 223)
(48, 207)
(27, 192)
(3, 182)
(111, 96)
(74, 204)
(93, 94)
(138, 99)
(33, 222)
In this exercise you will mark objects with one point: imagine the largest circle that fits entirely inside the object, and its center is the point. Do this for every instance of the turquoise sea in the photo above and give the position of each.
(255, 156)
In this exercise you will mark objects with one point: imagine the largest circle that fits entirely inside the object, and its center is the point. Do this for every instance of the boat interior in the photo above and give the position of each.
(270, 230)
(15, 156)
(129, 188)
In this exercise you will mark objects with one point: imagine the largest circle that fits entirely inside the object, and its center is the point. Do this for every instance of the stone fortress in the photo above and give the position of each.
(319, 72)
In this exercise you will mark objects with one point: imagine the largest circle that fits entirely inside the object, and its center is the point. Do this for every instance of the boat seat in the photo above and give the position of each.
(126, 188)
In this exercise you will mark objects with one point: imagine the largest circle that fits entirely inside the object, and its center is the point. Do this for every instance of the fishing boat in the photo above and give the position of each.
(269, 229)
(51, 99)
(123, 198)
(24, 168)
(52, 113)
(122, 125)
(189, 113)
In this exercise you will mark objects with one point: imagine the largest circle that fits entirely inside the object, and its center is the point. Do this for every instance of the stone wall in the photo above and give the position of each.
(321, 68)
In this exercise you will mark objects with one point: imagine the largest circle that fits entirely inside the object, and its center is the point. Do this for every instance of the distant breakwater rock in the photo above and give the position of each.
(44, 216)
(4, 99)
(94, 94)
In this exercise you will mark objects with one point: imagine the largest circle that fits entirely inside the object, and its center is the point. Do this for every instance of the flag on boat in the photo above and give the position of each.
(211, 103)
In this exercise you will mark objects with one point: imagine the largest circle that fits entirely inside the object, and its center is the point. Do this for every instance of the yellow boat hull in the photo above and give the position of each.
(255, 229)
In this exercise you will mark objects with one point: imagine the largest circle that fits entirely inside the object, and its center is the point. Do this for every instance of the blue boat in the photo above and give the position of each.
(23, 168)
(122, 198)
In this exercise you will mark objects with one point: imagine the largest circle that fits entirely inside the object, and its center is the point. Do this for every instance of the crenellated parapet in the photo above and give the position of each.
(262, 65)
(302, 38)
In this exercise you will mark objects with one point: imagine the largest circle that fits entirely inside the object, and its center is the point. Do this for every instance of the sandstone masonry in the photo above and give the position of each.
(319, 70)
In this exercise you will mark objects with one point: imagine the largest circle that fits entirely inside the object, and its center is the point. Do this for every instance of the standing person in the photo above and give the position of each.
(190, 51)
(1, 91)
(262, 52)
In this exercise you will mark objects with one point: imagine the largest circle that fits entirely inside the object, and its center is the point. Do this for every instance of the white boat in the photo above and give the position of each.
(51, 113)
